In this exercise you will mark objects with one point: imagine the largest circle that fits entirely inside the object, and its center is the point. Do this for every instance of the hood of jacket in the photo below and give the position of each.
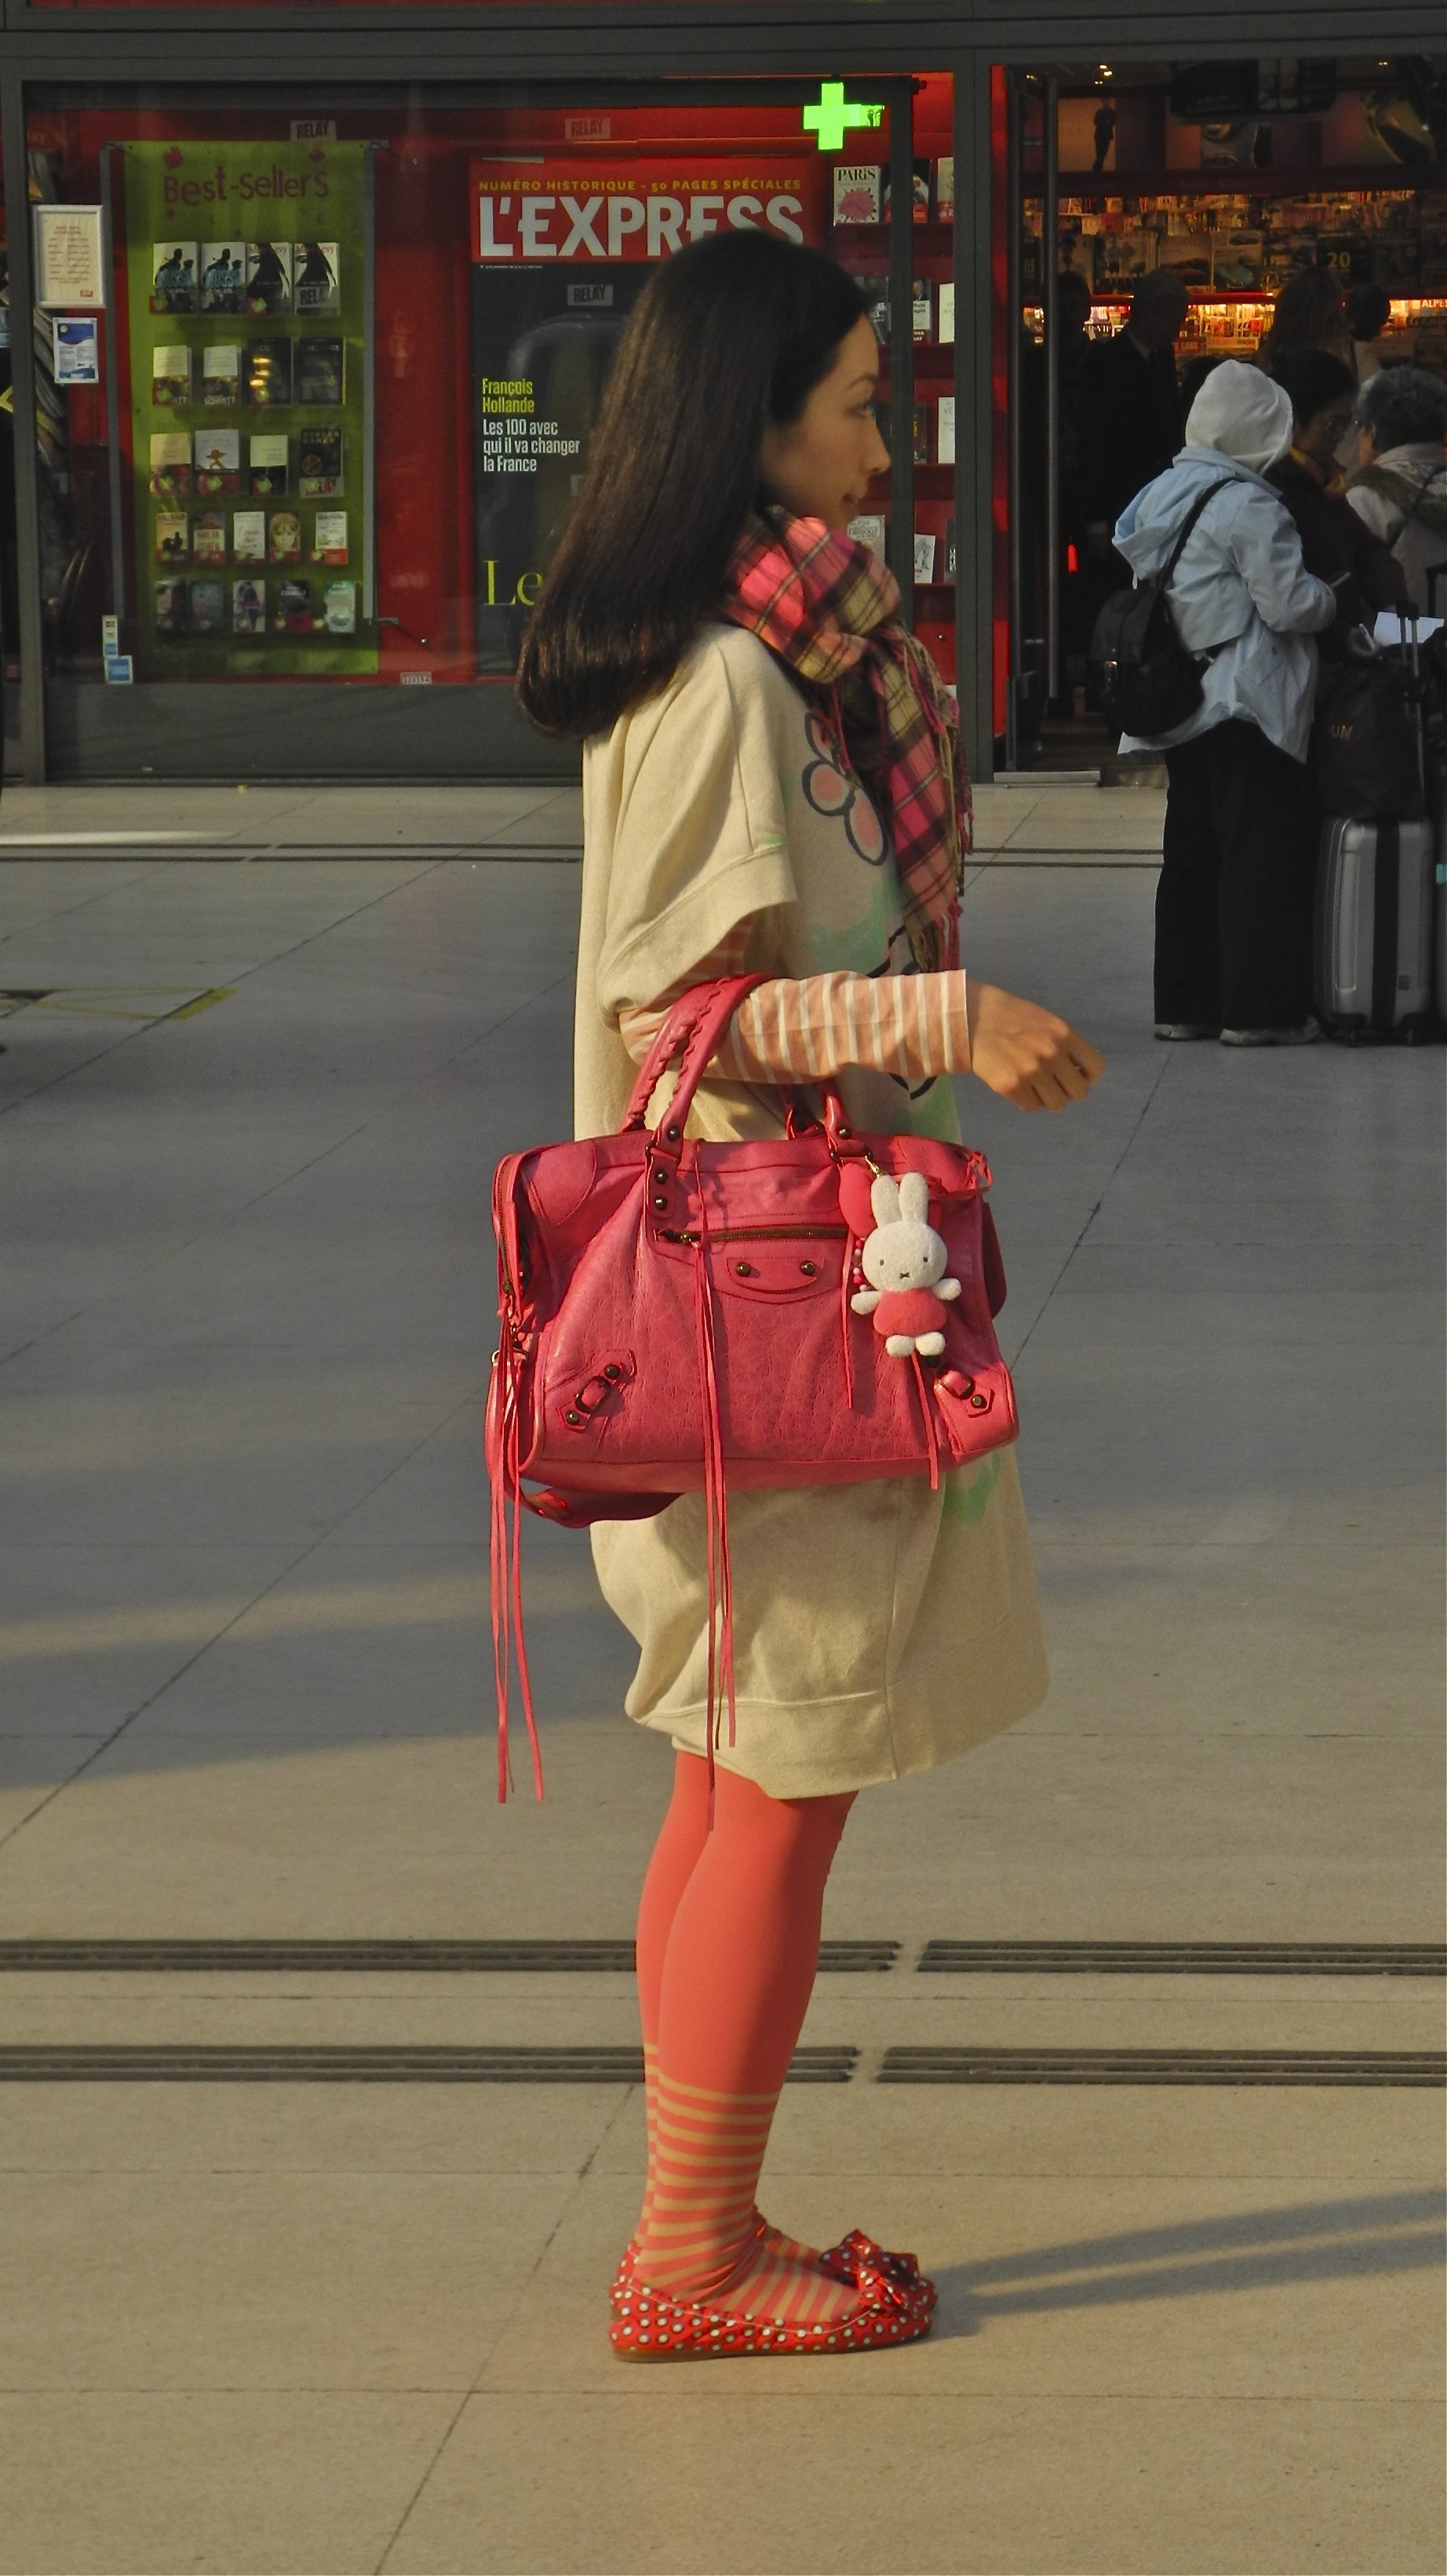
(1150, 524)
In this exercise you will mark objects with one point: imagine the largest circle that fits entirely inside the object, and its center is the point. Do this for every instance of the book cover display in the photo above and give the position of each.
(173, 278)
(319, 464)
(316, 286)
(221, 376)
(248, 536)
(248, 608)
(217, 460)
(268, 454)
(247, 369)
(223, 277)
(208, 537)
(170, 377)
(268, 277)
(329, 537)
(561, 250)
(172, 538)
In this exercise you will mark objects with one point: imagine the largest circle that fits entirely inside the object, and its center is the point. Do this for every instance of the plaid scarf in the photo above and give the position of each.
(828, 607)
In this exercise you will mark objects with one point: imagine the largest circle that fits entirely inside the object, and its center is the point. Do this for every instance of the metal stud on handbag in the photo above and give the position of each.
(676, 1318)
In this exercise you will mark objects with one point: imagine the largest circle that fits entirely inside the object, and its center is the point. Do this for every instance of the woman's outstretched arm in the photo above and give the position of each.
(797, 1028)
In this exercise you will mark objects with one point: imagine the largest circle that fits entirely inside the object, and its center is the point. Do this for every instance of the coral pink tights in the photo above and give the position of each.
(728, 1943)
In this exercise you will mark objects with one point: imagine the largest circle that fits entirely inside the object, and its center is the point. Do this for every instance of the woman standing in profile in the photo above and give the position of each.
(1309, 313)
(772, 783)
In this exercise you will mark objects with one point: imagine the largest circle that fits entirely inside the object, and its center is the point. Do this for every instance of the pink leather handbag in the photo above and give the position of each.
(676, 1318)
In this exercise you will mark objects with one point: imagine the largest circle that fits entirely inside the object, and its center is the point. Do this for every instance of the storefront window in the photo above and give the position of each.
(1231, 178)
(333, 409)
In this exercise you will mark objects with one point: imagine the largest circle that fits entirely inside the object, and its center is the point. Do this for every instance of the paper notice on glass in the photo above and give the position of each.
(77, 349)
(69, 271)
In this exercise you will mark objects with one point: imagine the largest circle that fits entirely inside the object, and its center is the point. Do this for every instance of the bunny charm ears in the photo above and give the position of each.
(904, 1263)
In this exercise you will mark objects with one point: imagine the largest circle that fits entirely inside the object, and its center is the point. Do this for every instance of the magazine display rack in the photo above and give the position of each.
(245, 273)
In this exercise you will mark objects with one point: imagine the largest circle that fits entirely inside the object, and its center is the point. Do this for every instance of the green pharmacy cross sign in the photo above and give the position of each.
(834, 111)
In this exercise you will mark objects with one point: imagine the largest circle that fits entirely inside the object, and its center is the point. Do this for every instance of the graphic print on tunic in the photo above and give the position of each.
(832, 790)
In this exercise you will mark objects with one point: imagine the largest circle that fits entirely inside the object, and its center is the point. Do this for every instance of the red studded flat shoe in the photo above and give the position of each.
(842, 2262)
(652, 2325)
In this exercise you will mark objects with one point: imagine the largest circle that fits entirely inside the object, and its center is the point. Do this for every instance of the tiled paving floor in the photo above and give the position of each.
(1083, 825)
(243, 1335)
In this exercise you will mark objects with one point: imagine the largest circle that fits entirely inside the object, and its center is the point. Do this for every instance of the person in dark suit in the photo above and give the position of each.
(1130, 404)
(1130, 427)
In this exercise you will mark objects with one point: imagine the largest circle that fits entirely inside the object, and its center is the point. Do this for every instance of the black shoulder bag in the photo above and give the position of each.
(1140, 670)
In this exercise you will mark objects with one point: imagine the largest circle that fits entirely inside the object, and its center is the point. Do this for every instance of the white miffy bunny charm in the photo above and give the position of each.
(903, 1260)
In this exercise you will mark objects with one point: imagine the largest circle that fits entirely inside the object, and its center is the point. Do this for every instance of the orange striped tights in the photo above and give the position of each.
(728, 1943)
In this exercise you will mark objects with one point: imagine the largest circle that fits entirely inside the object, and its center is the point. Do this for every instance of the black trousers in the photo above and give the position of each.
(1233, 909)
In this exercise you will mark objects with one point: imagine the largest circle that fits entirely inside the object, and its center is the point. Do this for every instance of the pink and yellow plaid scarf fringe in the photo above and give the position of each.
(829, 608)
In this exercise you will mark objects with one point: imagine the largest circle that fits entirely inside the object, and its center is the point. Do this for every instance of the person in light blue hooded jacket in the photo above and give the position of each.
(1233, 909)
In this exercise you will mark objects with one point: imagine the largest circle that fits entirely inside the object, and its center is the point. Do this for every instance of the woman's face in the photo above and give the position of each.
(821, 465)
(1320, 437)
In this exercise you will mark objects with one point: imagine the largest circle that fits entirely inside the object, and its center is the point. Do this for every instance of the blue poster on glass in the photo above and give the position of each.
(77, 349)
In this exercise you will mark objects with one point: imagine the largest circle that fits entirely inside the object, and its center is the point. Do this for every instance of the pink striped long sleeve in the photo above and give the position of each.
(796, 1028)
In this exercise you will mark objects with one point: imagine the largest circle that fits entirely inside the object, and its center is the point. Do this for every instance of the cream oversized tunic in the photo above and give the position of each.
(879, 1628)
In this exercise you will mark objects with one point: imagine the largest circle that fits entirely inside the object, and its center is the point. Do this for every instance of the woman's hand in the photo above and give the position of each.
(1026, 1053)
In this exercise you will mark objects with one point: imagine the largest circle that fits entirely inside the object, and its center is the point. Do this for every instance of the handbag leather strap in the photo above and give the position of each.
(693, 1031)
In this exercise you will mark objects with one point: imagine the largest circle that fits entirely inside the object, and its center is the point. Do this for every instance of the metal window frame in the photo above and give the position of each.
(712, 33)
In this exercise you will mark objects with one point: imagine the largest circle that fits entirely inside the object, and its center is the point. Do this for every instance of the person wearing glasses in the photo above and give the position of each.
(1336, 542)
(1399, 488)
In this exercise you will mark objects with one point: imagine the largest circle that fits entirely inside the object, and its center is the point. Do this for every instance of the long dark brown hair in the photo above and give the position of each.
(1309, 314)
(733, 333)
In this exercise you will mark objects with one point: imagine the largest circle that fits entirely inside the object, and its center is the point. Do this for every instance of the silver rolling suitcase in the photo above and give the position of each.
(1374, 943)
(1376, 912)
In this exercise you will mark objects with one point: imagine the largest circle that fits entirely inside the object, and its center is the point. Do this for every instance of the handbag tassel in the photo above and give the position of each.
(931, 1436)
(715, 1503)
(505, 1569)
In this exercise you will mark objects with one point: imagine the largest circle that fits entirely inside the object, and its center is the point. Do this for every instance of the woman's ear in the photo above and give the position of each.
(884, 1199)
(914, 1198)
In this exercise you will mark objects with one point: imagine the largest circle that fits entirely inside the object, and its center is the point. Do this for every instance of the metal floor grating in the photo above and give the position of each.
(428, 1958)
(201, 2064)
(1189, 1958)
(854, 1958)
(1222, 2066)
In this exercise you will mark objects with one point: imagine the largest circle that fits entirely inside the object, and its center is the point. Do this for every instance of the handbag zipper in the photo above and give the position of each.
(758, 1233)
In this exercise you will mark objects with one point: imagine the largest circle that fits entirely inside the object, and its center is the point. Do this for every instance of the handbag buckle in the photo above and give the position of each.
(588, 1400)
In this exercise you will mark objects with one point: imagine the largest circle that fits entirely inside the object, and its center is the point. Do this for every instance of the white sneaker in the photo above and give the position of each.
(1306, 1035)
